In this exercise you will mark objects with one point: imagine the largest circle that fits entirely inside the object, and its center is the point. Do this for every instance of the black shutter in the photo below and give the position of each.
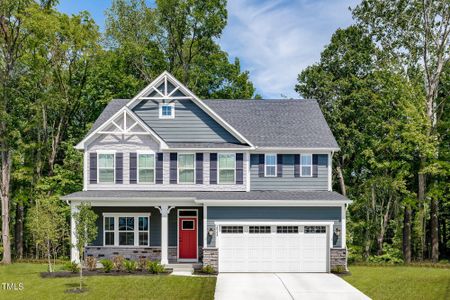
(93, 168)
(296, 165)
(119, 168)
(261, 166)
(279, 165)
(133, 168)
(213, 168)
(199, 168)
(239, 168)
(315, 161)
(173, 168)
(159, 168)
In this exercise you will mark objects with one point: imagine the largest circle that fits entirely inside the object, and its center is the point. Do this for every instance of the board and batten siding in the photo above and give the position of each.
(288, 181)
(190, 124)
(271, 213)
(144, 143)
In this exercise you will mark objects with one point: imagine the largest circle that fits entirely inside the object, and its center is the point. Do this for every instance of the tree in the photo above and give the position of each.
(85, 231)
(46, 222)
(416, 33)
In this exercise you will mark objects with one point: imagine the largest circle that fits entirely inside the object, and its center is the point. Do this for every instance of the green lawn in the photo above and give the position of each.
(103, 287)
(399, 282)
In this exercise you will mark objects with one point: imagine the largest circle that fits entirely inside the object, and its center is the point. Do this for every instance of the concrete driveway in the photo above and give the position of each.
(235, 286)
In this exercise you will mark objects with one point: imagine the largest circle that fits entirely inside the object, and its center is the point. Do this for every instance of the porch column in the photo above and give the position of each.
(164, 209)
(343, 226)
(74, 254)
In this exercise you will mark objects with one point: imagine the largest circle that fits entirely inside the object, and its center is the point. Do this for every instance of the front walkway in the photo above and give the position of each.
(284, 286)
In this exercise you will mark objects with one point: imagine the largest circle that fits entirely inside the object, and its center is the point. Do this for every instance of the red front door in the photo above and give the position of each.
(187, 238)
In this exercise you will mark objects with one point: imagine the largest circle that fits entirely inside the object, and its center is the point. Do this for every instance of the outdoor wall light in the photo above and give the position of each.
(211, 231)
(337, 231)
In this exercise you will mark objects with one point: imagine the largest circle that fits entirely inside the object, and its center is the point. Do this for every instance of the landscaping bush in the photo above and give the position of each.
(118, 262)
(338, 270)
(91, 263)
(391, 255)
(130, 266)
(155, 267)
(142, 263)
(108, 265)
(208, 269)
(71, 266)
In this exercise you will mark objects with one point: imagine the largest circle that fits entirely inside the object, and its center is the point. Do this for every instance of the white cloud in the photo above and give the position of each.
(275, 40)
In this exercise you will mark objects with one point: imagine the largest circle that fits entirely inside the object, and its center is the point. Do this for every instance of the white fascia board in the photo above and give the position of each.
(210, 149)
(196, 99)
(296, 149)
(337, 203)
(134, 202)
(162, 143)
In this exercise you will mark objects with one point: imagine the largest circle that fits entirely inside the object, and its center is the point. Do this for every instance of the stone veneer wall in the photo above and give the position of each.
(211, 257)
(133, 253)
(338, 257)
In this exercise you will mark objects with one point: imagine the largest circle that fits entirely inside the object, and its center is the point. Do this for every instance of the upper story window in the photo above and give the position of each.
(227, 168)
(306, 165)
(186, 169)
(270, 165)
(146, 168)
(106, 167)
(167, 110)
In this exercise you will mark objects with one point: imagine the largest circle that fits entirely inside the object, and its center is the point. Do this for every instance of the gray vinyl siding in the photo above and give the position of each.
(263, 213)
(191, 123)
(288, 181)
(142, 142)
(155, 223)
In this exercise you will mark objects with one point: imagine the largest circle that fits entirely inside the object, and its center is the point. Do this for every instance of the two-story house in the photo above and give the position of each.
(241, 185)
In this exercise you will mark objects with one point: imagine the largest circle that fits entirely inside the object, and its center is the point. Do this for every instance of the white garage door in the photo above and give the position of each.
(273, 248)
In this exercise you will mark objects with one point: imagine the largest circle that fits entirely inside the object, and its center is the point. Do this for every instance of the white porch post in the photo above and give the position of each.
(343, 226)
(74, 254)
(205, 226)
(164, 209)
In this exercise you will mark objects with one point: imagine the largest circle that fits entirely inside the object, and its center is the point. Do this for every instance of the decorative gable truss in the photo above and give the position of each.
(167, 88)
(123, 123)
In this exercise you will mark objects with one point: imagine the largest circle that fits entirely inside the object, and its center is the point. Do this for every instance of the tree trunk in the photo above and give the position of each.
(19, 230)
(49, 257)
(421, 200)
(4, 189)
(407, 234)
(434, 231)
(383, 225)
(341, 180)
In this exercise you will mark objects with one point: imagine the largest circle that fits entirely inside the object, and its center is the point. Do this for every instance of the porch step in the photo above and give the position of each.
(185, 269)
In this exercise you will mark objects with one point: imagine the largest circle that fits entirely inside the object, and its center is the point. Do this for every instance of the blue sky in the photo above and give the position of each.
(274, 39)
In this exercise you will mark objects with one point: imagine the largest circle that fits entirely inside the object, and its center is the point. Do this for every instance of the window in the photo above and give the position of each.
(227, 165)
(166, 110)
(109, 231)
(259, 229)
(187, 225)
(287, 229)
(232, 229)
(146, 168)
(306, 165)
(130, 229)
(186, 168)
(106, 167)
(270, 165)
(315, 229)
(187, 213)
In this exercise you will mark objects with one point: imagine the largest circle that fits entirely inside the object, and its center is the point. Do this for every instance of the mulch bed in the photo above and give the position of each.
(64, 274)
(200, 273)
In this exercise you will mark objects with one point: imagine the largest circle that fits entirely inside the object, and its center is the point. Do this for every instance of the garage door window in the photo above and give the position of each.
(259, 229)
(232, 229)
(287, 229)
(315, 229)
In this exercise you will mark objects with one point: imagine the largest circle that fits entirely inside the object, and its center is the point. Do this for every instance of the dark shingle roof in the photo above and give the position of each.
(253, 195)
(277, 123)
(206, 145)
(265, 123)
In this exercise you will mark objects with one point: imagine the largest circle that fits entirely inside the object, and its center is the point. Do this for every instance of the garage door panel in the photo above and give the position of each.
(273, 252)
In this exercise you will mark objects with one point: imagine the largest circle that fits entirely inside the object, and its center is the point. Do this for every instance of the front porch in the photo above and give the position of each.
(169, 234)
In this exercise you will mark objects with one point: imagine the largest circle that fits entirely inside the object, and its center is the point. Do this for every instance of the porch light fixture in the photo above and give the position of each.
(211, 231)
(337, 231)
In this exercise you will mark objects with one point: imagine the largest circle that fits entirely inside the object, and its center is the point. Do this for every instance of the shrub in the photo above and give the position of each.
(108, 265)
(338, 269)
(118, 262)
(142, 263)
(130, 266)
(71, 266)
(208, 269)
(91, 263)
(155, 267)
(391, 255)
